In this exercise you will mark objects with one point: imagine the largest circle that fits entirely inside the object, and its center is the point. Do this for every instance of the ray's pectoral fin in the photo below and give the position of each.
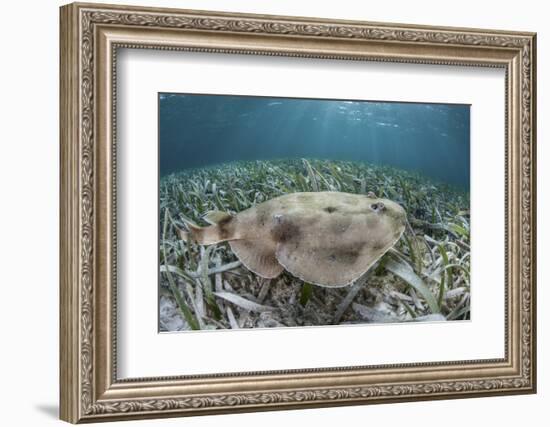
(258, 257)
(325, 266)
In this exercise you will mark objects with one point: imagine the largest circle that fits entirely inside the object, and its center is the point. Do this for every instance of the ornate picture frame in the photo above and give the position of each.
(91, 34)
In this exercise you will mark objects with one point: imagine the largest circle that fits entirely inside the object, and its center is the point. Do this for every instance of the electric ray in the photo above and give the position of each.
(325, 238)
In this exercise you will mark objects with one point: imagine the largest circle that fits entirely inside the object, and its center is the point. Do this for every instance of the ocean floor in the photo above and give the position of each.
(425, 277)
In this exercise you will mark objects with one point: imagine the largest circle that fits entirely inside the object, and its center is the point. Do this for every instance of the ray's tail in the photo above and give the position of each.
(219, 231)
(202, 235)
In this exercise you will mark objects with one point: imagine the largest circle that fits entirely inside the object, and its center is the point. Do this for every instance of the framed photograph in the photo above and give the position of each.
(267, 212)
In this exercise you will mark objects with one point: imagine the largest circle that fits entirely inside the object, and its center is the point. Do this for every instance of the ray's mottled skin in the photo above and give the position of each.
(325, 238)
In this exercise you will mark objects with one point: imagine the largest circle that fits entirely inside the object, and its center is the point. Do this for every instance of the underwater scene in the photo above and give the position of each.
(291, 212)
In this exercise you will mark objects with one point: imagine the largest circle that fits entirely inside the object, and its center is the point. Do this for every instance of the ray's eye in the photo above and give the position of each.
(377, 207)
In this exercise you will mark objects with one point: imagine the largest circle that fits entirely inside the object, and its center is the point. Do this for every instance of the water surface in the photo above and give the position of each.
(203, 130)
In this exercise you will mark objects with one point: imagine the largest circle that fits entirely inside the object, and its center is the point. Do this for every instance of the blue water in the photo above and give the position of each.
(202, 130)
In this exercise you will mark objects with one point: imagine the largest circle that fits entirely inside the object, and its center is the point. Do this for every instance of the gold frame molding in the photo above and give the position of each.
(90, 37)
